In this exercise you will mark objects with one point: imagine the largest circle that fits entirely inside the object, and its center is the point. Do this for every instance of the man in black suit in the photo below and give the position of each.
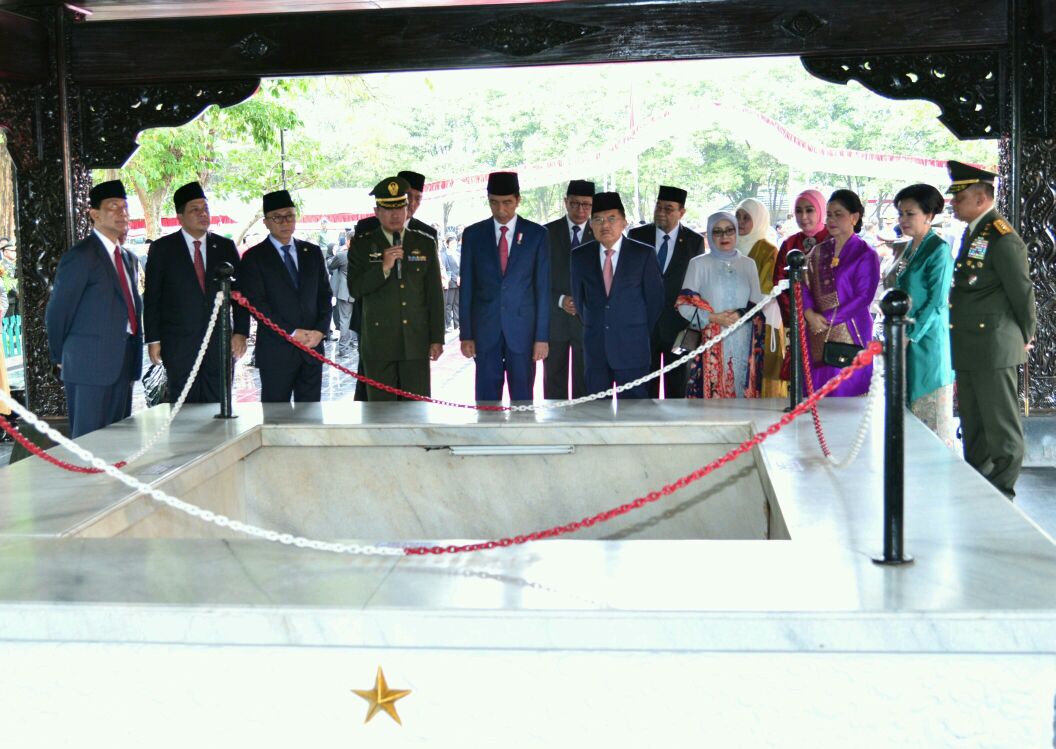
(178, 299)
(566, 329)
(675, 246)
(416, 185)
(286, 279)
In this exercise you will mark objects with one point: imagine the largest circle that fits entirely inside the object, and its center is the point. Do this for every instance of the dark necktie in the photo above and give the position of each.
(662, 257)
(287, 258)
(199, 263)
(575, 236)
(122, 279)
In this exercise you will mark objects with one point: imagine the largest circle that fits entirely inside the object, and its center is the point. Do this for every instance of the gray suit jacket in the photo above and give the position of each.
(338, 267)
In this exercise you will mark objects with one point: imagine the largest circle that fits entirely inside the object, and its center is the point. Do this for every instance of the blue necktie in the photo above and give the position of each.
(575, 236)
(662, 257)
(287, 258)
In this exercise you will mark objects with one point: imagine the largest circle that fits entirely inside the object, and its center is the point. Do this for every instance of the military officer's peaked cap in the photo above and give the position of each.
(674, 194)
(607, 201)
(391, 192)
(273, 201)
(414, 180)
(503, 183)
(115, 188)
(963, 176)
(187, 193)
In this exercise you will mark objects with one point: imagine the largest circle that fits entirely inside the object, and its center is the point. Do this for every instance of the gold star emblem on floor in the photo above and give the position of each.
(382, 698)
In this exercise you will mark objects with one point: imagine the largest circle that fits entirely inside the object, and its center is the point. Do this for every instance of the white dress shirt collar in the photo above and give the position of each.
(615, 253)
(191, 240)
(582, 228)
(512, 227)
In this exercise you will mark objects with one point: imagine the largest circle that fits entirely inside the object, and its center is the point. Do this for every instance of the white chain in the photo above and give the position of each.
(187, 386)
(726, 332)
(193, 510)
(874, 398)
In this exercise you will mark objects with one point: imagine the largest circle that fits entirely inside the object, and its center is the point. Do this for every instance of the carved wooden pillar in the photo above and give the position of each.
(1028, 176)
(57, 133)
(51, 184)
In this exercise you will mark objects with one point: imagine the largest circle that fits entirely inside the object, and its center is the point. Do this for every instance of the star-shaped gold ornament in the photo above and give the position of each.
(382, 698)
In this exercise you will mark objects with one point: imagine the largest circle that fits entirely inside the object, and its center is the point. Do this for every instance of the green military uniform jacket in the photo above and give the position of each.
(401, 317)
(992, 312)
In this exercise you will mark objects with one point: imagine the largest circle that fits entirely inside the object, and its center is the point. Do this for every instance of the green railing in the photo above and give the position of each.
(12, 335)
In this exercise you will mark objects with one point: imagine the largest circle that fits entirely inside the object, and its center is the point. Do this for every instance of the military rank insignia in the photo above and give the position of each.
(376, 256)
(1002, 226)
(977, 249)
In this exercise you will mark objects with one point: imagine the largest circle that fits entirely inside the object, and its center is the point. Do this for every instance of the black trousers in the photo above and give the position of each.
(304, 382)
(555, 371)
(674, 381)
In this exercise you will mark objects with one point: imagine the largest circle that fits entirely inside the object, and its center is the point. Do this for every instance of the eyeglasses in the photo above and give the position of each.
(580, 204)
(602, 220)
(731, 232)
(282, 218)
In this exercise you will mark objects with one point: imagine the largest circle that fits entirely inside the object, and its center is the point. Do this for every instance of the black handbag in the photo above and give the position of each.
(688, 339)
(837, 354)
(155, 385)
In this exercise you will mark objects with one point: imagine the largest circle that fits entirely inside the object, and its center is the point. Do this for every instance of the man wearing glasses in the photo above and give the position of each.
(675, 246)
(619, 294)
(566, 329)
(286, 279)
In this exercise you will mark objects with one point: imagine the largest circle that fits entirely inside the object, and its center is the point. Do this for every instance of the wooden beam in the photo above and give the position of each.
(202, 49)
(23, 52)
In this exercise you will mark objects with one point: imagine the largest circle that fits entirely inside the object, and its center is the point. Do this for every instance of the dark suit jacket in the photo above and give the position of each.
(175, 309)
(616, 327)
(563, 326)
(267, 285)
(450, 267)
(688, 245)
(87, 318)
(515, 306)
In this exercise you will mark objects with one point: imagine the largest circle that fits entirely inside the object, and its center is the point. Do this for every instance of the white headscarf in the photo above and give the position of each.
(760, 223)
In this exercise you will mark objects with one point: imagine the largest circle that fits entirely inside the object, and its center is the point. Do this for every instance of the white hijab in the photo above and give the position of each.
(760, 224)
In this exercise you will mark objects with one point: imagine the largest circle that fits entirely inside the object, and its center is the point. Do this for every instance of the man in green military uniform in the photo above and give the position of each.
(992, 322)
(396, 273)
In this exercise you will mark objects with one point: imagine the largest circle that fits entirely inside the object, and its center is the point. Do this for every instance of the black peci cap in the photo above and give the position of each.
(414, 180)
(115, 188)
(273, 201)
(580, 187)
(674, 194)
(607, 201)
(503, 183)
(187, 193)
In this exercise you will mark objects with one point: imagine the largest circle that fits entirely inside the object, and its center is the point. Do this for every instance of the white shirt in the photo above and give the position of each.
(975, 221)
(510, 234)
(615, 255)
(282, 255)
(119, 267)
(673, 236)
(190, 244)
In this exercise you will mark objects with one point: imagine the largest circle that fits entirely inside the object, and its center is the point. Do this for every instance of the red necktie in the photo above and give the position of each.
(122, 278)
(607, 271)
(199, 263)
(504, 249)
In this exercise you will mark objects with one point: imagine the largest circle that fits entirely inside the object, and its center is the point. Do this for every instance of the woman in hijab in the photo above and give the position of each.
(809, 209)
(753, 226)
(842, 275)
(720, 286)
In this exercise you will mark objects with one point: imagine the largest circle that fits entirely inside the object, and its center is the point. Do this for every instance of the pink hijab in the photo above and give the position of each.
(817, 200)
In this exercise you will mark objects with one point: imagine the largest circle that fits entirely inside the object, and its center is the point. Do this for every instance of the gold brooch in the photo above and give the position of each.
(835, 262)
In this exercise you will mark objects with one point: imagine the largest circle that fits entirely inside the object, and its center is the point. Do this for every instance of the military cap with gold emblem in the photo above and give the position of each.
(391, 192)
(963, 176)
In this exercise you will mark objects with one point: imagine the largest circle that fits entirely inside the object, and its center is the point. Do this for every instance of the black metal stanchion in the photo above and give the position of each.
(797, 261)
(894, 305)
(224, 274)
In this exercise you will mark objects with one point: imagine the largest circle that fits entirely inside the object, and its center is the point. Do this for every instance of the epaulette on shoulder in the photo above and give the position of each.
(421, 233)
(1002, 226)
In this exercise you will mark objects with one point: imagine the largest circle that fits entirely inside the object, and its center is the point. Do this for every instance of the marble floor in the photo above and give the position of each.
(453, 380)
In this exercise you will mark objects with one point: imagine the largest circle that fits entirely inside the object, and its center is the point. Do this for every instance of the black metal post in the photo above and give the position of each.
(225, 274)
(895, 305)
(797, 261)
